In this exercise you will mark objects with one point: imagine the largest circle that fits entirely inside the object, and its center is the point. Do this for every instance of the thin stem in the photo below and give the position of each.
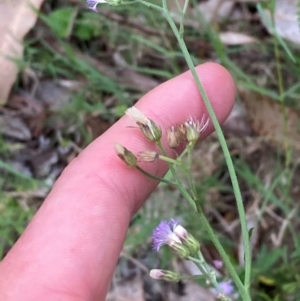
(175, 176)
(200, 267)
(165, 6)
(151, 5)
(178, 6)
(227, 156)
(243, 289)
(170, 160)
(181, 28)
(153, 176)
(224, 256)
(206, 270)
(189, 167)
(219, 247)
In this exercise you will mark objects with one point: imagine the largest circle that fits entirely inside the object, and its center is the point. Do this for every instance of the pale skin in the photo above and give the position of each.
(70, 248)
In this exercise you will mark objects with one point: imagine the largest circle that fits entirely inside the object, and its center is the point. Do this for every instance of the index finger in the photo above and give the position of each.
(70, 248)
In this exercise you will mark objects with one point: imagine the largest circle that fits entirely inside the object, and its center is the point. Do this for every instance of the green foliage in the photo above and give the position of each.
(14, 219)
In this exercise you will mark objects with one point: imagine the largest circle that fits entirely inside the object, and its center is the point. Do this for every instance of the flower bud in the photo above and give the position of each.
(148, 156)
(148, 127)
(151, 131)
(173, 137)
(194, 128)
(165, 275)
(192, 135)
(187, 239)
(218, 264)
(125, 155)
(180, 250)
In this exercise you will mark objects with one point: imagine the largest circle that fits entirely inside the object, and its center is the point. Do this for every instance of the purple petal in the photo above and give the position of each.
(173, 223)
(92, 4)
(227, 287)
(163, 234)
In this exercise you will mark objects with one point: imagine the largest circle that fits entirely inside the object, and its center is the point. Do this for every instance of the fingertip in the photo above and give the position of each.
(175, 100)
(219, 86)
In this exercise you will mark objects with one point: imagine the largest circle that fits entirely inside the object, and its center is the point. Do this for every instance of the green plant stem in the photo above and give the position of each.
(169, 160)
(227, 156)
(151, 5)
(243, 289)
(181, 29)
(208, 272)
(153, 176)
(190, 147)
(218, 245)
(178, 183)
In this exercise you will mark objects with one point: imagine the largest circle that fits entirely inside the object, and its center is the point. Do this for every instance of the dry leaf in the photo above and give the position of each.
(236, 38)
(14, 127)
(237, 121)
(267, 119)
(286, 20)
(16, 18)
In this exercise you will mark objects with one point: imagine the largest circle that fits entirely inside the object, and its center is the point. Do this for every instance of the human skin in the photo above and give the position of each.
(70, 248)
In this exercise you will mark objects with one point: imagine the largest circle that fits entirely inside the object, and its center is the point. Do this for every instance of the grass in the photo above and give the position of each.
(93, 50)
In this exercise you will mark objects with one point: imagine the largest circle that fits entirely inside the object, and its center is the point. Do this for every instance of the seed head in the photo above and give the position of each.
(176, 135)
(125, 155)
(194, 128)
(173, 137)
(165, 275)
(148, 127)
(148, 156)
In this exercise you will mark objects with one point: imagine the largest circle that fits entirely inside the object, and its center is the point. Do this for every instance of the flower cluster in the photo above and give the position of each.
(188, 132)
(176, 237)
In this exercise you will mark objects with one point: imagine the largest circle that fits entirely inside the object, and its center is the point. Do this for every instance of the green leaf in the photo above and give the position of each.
(87, 26)
(60, 21)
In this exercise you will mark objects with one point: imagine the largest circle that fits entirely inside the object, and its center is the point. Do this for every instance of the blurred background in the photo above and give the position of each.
(76, 71)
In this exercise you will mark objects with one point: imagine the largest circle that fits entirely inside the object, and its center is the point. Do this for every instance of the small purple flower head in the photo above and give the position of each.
(227, 287)
(218, 264)
(163, 234)
(92, 4)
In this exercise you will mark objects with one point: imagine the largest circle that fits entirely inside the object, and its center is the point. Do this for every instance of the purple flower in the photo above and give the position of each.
(227, 287)
(218, 264)
(164, 234)
(92, 4)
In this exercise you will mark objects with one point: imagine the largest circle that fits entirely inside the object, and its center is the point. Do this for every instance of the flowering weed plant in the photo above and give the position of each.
(171, 233)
